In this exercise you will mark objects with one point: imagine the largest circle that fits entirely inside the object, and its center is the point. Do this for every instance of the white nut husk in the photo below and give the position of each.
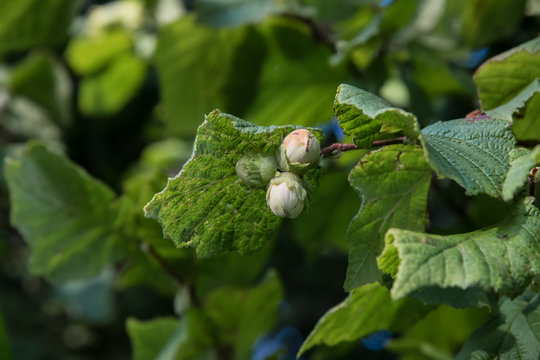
(286, 196)
(299, 152)
(256, 170)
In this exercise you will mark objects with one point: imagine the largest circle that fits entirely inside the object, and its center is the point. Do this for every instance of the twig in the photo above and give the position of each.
(398, 140)
(179, 279)
(329, 150)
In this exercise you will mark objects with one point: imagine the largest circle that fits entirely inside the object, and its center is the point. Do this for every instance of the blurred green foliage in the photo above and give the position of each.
(109, 95)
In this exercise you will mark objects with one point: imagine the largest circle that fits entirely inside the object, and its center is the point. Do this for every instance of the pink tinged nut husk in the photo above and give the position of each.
(301, 146)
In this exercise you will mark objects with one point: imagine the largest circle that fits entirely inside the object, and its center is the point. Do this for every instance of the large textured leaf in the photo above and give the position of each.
(65, 215)
(206, 205)
(519, 170)
(366, 310)
(168, 338)
(472, 152)
(27, 23)
(243, 315)
(501, 258)
(393, 183)
(512, 333)
(503, 77)
(363, 115)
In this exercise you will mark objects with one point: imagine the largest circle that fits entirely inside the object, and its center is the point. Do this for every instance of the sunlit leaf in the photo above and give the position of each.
(206, 206)
(66, 216)
(393, 184)
(458, 269)
(366, 310)
(513, 332)
(473, 152)
(364, 115)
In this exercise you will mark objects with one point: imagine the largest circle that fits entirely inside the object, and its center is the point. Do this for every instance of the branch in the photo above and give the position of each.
(329, 150)
(178, 278)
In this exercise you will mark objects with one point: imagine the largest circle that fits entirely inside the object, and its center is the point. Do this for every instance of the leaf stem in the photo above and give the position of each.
(398, 140)
(329, 150)
(178, 278)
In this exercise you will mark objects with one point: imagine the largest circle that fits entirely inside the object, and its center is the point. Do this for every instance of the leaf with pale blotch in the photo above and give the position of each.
(473, 152)
(519, 170)
(393, 184)
(206, 206)
(501, 258)
(366, 310)
(513, 332)
(364, 115)
(67, 217)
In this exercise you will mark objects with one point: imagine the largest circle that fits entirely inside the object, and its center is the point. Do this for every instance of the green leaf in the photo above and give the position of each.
(192, 62)
(236, 12)
(28, 23)
(168, 338)
(366, 310)
(510, 110)
(393, 184)
(502, 77)
(501, 258)
(512, 333)
(363, 115)
(65, 215)
(296, 83)
(319, 231)
(87, 55)
(42, 79)
(519, 171)
(473, 152)
(487, 21)
(107, 92)
(242, 315)
(206, 206)
(149, 337)
(27, 120)
(439, 334)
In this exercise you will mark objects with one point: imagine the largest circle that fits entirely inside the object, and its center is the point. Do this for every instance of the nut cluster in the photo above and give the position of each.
(286, 195)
